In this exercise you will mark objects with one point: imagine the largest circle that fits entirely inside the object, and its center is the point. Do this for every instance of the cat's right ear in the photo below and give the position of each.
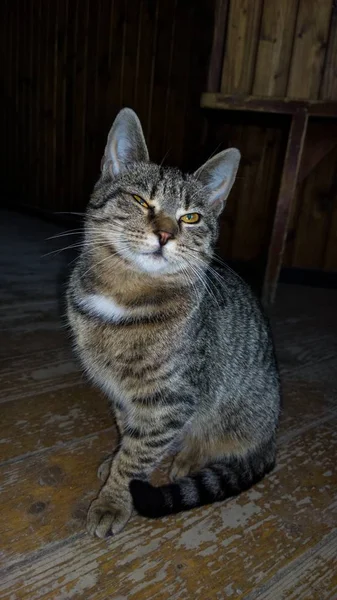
(126, 143)
(217, 176)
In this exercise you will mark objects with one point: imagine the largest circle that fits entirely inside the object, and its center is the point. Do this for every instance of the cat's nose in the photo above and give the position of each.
(164, 237)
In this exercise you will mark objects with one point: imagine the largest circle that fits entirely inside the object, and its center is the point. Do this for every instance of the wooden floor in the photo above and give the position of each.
(277, 541)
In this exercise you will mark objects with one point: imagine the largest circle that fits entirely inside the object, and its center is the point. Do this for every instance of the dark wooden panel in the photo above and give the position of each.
(162, 69)
(218, 46)
(329, 84)
(309, 48)
(311, 239)
(242, 37)
(274, 48)
(147, 41)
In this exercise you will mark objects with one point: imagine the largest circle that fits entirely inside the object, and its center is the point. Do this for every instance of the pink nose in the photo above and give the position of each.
(164, 237)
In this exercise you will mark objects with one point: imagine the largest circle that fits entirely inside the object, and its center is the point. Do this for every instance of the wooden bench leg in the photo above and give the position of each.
(286, 193)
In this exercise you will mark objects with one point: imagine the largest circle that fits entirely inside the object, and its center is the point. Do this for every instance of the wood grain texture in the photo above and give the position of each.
(265, 534)
(281, 106)
(290, 170)
(278, 540)
(41, 421)
(309, 49)
(328, 89)
(242, 38)
(330, 254)
(274, 48)
(312, 226)
(218, 46)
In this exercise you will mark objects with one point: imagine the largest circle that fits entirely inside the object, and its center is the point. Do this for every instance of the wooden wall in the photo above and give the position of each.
(70, 65)
(280, 49)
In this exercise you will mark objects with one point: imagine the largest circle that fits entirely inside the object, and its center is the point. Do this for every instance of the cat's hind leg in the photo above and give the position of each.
(190, 459)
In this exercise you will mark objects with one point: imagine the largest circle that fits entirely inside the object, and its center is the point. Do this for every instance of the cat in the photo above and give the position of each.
(181, 347)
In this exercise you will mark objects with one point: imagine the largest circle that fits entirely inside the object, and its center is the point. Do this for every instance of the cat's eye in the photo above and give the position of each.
(141, 201)
(190, 218)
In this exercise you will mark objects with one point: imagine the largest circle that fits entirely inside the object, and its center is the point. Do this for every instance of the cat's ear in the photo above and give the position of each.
(126, 143)
(218, 174)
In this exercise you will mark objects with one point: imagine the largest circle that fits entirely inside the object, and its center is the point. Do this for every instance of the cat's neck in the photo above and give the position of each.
(110, 278)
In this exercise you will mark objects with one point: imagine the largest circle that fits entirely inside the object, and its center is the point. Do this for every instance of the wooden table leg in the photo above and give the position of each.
(286, 193)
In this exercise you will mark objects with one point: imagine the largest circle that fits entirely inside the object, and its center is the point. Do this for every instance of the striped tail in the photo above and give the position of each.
(218, 481)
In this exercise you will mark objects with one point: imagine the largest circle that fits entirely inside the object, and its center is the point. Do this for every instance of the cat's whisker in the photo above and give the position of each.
(79, 245)
(64, 234)
(165, 157)
(199, 274)
(68, 212)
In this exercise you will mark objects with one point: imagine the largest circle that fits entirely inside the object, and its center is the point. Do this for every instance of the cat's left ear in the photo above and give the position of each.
(217, 176)
(126, 143)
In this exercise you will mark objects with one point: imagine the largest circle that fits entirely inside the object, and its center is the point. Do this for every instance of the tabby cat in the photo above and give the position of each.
(180, 347)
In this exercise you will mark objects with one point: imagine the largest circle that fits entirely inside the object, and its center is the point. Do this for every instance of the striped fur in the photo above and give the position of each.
(180, 346)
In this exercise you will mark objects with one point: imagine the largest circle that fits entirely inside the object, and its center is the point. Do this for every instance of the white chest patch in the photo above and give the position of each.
(101, 306)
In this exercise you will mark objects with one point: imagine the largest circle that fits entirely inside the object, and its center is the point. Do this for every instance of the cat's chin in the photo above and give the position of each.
(153, 264)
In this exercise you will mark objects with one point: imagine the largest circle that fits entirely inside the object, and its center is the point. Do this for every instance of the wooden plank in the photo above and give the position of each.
(61, 481)
(11, 84)
(52, 419)
(113, 94)
(39, 371)
(260, 532)
(40, 5)
(161, 72)
(147, 40)
(268, 105)
(221, 134)
(175, 116)
(201, 23)
(314, 214)
(60, 107)
(242, 36)
(30, 94)
(16, 95)
(82, 85)
(252, 203)
(53, 91)
(309, 49)
(23, 95)
(328, 89)
(274, 48)
(218, 46)
(330, 254)
(4, 49)
(92, 152)
(130, 72)
(321, 138)
(287, 188)
(103, 113)
(69, 159)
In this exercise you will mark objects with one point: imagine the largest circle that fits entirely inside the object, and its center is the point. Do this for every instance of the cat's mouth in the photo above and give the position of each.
(155, 254)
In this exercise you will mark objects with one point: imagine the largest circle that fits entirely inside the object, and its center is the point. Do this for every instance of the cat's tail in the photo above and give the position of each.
(217, 481)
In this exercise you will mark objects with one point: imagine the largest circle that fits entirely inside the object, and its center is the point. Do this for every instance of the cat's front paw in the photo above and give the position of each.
(107, 515)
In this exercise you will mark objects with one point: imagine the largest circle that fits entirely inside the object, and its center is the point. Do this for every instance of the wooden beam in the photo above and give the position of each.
(318, 108)
(286, 193)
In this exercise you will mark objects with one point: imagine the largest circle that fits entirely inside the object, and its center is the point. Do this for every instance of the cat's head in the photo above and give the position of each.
(156, 218)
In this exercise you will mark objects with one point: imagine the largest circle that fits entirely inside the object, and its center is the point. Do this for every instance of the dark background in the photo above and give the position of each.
(70, 65)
